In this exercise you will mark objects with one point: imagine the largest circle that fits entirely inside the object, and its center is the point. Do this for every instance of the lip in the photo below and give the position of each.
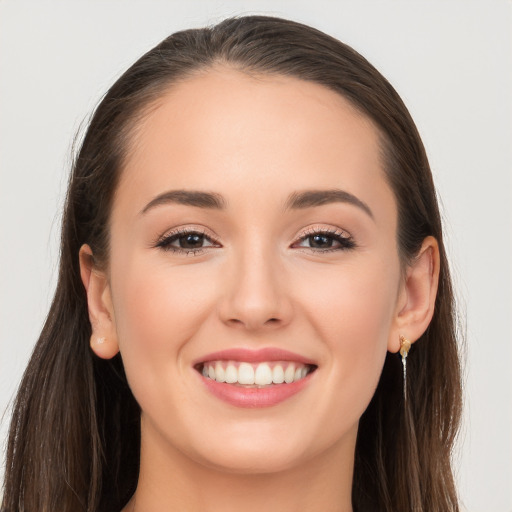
(246, 397)
(240, 396)
(254, 356)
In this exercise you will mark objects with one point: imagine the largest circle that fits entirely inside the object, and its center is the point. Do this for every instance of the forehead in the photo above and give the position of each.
(224, 128)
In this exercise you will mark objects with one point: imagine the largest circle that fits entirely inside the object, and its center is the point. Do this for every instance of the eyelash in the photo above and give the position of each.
(165, 241)
(342, 238)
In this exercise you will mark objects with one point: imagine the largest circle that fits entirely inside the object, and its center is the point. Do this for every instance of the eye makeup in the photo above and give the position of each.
(321, 239)
(194, 241)
(187, 240)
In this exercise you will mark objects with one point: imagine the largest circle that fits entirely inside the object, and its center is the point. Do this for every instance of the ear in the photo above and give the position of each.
(416, 301)
(101, 312)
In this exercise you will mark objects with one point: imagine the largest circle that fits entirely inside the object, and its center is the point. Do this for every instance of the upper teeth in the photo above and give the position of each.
(254, 374)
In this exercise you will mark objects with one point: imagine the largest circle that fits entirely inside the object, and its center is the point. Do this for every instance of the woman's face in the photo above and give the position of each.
(253, 232)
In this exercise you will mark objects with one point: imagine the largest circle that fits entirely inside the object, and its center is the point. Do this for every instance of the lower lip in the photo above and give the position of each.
(254, 397)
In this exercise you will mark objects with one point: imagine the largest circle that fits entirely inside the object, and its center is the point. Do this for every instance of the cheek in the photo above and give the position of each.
(158, 308)
(154, 302)
(354, 319)
(353, 306)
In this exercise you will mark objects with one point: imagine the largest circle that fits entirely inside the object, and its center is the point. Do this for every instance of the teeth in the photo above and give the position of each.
(289, 373)
(220, 374)
(231, 374)
(263, 375)
(278, 374)
(247, 374)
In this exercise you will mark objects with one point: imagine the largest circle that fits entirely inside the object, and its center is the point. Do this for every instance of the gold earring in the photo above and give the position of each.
(405, 346)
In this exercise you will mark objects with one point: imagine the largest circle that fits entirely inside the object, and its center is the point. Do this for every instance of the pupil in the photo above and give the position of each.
(192, 241)
(320, 241)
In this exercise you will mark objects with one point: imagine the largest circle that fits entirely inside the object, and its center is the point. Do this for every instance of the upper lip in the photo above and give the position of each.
(254, 356)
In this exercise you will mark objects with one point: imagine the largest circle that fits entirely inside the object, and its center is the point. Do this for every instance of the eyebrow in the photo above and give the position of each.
(311, 198)
(296, 200)
(195, 198)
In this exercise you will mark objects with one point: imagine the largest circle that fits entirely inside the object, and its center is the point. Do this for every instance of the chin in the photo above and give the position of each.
(262, 448)
(247, 461)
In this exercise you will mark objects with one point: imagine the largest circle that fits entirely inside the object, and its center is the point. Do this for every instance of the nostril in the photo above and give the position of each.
(252, 324)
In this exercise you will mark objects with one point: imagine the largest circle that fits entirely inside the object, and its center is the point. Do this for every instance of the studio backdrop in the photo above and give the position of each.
(451, 61)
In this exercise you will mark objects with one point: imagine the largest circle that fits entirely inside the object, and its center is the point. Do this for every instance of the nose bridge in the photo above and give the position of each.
(256, 296)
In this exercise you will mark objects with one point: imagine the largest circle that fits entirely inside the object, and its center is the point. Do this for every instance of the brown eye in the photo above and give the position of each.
(326, 241)
(320, 241)
(191, 241)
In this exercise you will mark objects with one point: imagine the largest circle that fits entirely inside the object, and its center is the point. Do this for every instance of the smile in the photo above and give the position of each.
(267, 373)
(254, 378)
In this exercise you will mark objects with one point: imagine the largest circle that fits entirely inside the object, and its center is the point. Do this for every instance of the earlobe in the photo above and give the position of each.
(418, 295)
(101, 312)
(103, 347)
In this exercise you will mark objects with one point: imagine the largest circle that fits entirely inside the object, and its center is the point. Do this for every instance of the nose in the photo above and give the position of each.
(256, 295)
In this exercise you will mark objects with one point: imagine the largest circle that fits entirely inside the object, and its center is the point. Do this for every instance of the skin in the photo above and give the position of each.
(254, 140)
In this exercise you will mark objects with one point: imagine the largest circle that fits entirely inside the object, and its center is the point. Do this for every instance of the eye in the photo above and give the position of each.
(186, 241)
(325, 240)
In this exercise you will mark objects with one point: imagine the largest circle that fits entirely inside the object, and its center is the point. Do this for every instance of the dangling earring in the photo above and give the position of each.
(405, 346)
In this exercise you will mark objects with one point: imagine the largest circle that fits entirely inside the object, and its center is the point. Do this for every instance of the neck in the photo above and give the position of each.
(169, 480)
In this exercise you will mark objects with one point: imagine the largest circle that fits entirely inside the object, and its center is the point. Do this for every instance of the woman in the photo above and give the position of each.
(251, 244)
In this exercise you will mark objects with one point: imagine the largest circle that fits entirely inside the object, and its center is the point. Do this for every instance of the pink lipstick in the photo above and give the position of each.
(254, 378)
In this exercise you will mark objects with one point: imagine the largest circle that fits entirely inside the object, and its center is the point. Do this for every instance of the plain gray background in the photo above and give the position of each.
(450, 61)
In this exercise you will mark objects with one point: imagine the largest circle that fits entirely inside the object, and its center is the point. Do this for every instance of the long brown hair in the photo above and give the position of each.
(75, 432)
